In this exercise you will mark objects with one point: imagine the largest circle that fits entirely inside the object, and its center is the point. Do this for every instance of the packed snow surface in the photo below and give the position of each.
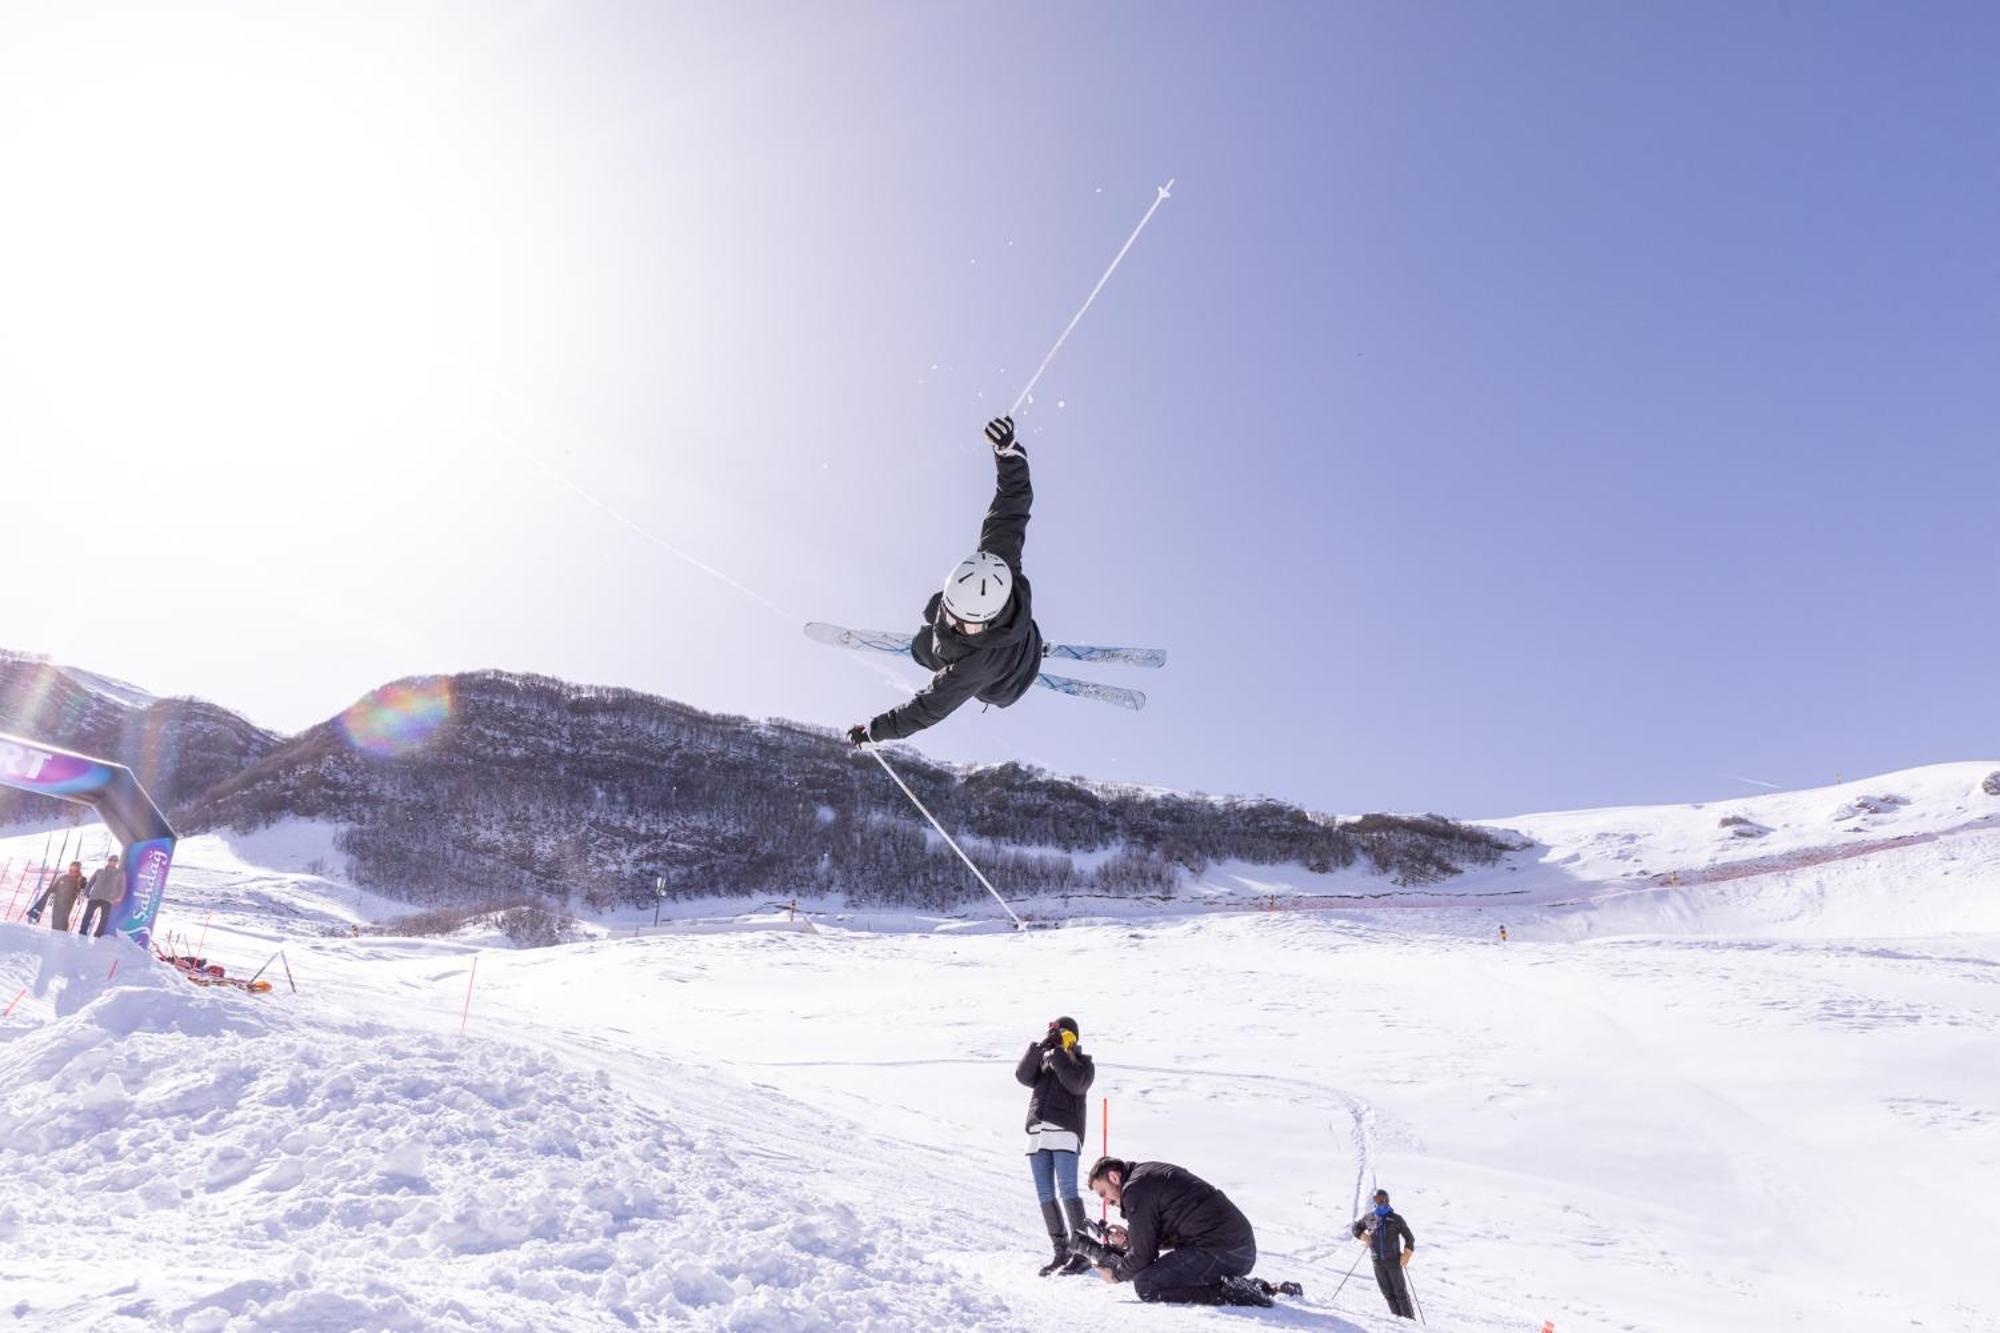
(1714, 1080)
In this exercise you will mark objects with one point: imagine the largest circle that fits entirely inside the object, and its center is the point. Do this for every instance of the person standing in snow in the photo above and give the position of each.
(1057, 1074)
(1209, 1248)
(62, 896)
(107, 886)
(1388, 1238)
(979, 635)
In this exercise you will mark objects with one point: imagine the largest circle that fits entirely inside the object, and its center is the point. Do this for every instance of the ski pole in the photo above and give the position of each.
(1413, 1299)
(260, 971)
(1164, 191)
(949, 840)
(1350, 1271)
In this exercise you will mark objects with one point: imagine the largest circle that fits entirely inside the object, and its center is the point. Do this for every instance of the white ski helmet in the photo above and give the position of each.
(978, 588)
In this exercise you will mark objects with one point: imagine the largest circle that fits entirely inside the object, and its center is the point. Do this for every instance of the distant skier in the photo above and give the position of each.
(1059, 1074)
(979, 635)
(1209, 1246)
(1503, 934)
(1388, 1238)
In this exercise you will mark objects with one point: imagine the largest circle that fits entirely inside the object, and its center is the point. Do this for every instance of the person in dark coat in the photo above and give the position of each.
(60, 896)
(1183, 1241)
(979, 635)
(107, 889)
(1388, 1238)
(1058, 1074)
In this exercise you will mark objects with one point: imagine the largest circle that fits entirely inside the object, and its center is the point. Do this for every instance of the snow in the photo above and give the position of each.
(109, 688)
(1762, 1094)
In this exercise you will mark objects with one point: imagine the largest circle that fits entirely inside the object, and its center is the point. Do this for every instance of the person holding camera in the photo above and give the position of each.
(1057, 1074)
(1388, 1238)
(1209, 1248)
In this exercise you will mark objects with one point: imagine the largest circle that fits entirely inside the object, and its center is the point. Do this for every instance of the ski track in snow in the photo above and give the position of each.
(1654, 1109)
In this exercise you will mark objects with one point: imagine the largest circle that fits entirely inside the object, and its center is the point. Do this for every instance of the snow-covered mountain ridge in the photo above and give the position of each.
(525, 786)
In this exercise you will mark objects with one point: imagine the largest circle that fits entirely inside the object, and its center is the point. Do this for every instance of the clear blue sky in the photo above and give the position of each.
(1515, 407)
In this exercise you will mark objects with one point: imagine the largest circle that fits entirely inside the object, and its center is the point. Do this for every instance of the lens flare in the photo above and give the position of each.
(398, 718)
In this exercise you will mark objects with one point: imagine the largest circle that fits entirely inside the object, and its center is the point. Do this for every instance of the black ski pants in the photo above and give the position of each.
(1389, 1277)
(1192, 1275)
(102, 910)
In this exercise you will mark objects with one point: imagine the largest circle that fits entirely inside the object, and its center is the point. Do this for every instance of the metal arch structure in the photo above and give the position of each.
(145, 838)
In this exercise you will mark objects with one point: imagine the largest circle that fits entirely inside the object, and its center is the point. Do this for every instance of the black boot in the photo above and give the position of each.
(1077, 1263)
(1240, 1291)
(1052, 1218)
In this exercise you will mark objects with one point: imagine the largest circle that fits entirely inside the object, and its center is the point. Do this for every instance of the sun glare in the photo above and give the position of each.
(248, 242)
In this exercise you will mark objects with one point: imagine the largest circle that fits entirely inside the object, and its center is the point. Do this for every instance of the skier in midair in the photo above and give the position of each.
(1057, 1074)
(979, 635)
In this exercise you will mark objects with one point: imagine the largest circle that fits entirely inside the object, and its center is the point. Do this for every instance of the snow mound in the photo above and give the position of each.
(279, 1173)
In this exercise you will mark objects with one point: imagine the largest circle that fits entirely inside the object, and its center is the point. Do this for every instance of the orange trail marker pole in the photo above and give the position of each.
(11, 1003)
(468, 995)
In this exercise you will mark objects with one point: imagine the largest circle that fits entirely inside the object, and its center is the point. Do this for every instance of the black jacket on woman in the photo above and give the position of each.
(1060, 1079)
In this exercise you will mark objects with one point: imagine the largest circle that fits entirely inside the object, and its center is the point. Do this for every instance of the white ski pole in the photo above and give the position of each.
(1350, 1272)
(1164, 192)
(950, 841)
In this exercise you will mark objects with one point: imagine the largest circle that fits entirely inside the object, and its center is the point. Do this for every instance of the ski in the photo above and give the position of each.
(839, 637)
(1088, 652)
(1090, 689)
(882, 641)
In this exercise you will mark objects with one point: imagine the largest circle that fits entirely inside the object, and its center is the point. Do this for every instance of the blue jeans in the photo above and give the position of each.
(1189, 1275)
(1055, 1175)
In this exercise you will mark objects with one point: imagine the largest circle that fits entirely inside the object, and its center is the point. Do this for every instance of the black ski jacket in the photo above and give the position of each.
(1382, 1233)
(998, 666)
(1059, 1079)
(1168, 1208)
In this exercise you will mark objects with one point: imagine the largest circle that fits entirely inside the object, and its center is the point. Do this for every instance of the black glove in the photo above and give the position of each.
(858, 734)
(1000, 434)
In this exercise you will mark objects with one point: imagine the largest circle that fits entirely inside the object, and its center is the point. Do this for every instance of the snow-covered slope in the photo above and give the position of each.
(1909, 853)
(1715, 839)
(1660, 1106)
(190, 1159)
(112, 691)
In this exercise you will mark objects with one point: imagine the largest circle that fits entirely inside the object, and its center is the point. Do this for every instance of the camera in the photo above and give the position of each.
(1094, 1244)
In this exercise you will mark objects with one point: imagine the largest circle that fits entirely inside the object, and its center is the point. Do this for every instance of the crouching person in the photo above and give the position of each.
(1183, 1242)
